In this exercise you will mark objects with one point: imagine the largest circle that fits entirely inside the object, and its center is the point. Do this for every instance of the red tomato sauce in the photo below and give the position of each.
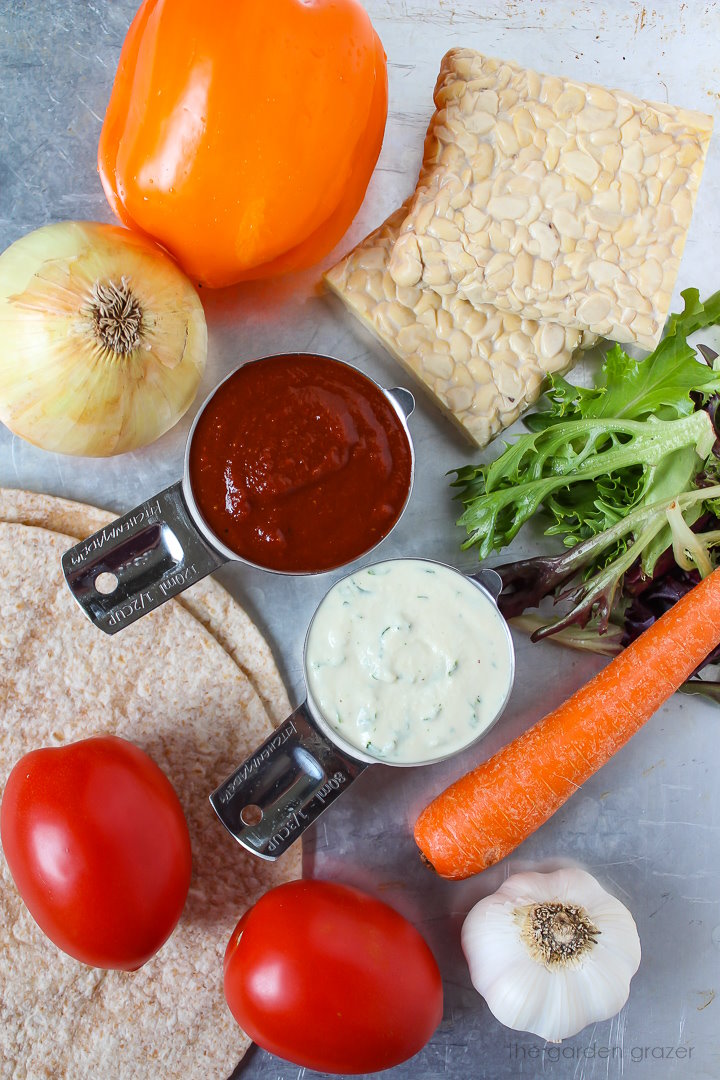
(299, 463)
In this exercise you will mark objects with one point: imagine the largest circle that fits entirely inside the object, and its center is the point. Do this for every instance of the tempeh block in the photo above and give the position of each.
(542, 195)
(482, 366)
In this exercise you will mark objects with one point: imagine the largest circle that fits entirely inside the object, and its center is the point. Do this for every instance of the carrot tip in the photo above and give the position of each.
(426, 862)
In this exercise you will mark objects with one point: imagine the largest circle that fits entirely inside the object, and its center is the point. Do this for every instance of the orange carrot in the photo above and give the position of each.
(484, 815)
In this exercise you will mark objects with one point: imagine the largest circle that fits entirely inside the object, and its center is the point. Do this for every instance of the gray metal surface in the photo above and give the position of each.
(648, 825)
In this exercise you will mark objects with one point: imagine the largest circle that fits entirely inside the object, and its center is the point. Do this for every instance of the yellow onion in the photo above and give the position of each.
(102, 339)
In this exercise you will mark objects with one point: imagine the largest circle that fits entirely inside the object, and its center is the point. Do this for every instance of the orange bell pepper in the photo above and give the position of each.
(242, 134)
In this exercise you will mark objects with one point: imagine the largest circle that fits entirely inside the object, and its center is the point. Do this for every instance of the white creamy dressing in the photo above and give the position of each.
(408, 660)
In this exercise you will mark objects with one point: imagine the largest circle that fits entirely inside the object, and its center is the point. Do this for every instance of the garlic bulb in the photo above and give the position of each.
(102, 339)
(551, 953)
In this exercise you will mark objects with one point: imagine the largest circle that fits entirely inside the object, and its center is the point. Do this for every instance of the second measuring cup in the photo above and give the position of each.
(406, 662)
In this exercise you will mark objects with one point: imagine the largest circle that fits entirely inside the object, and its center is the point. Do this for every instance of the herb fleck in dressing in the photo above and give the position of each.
(408, 660)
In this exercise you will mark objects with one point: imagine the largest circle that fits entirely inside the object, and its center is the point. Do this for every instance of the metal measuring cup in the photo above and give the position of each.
(305, 765)
(163, 546)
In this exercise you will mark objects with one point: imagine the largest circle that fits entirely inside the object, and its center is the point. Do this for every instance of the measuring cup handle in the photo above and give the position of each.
(404, 400)
(138, 561)
(284, 786)
(490, 581)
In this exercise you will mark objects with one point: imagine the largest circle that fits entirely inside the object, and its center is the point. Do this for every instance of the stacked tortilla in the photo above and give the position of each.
(194, 684)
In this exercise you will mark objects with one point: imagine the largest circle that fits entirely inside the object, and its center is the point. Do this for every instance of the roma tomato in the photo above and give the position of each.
(331, 979)
(98, 846)
(242, 135)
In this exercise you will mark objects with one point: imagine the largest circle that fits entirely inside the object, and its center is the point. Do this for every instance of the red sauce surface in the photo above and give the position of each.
(299, 463)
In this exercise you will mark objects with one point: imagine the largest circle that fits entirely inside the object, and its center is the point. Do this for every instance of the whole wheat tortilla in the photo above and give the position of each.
(167, 685)
(209, 602)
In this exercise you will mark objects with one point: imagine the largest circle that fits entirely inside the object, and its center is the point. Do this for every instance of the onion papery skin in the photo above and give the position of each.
(60, 388)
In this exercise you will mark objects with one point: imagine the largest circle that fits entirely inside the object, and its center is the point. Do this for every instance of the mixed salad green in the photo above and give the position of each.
(627, 475)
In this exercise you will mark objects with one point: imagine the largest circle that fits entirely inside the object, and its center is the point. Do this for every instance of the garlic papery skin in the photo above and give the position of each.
(102, 339)
(551, 953)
